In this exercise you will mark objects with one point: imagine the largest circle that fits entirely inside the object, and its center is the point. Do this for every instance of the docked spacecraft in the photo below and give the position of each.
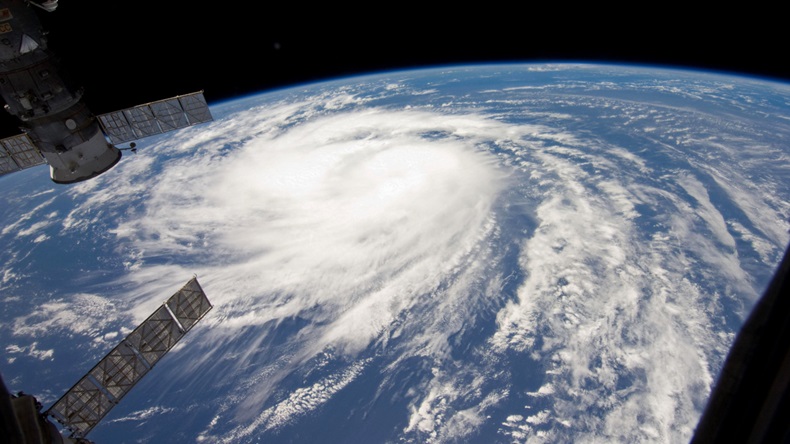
(58, 128)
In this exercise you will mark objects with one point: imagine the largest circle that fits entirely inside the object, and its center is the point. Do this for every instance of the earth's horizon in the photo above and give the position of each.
(490, 253)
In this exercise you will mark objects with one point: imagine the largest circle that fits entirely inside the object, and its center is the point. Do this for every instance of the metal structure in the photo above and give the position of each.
(92, 397)
(154, 118)
(56, 122)
(18, 153)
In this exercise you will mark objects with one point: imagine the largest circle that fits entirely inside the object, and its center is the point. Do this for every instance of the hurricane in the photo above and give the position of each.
(508, 254)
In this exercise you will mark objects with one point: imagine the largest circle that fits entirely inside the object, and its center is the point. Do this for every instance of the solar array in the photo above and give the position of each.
(90, 399)
(18, 153)
(155, 117)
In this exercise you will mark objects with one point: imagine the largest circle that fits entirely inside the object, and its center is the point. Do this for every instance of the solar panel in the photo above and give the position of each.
(196, 109)
(142, 121)
(169, 114)
(155, 117)
(117, 127)
(18, 153)
(85, 404)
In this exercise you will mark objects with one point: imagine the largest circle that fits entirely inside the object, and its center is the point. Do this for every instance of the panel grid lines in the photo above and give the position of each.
(18, 153)
(85, 404)
(155, 117)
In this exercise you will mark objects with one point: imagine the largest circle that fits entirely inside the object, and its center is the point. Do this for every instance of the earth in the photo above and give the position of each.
(500, 253)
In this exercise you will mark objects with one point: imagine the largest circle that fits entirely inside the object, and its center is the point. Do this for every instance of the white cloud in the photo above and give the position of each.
(606, 307)
(347, 220)
(30, 350)
(300, 401)
(142, 415)
(83, 314)
(40, 238)
(21, 226)
(324, 234)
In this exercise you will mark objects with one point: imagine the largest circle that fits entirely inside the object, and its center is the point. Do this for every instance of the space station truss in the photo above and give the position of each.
(155, 117)
(90, 399)
(18, 153)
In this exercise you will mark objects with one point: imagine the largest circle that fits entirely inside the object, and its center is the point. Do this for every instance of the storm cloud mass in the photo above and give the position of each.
(435, 257)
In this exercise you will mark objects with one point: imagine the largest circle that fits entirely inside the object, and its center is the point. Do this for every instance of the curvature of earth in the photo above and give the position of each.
(515, 253)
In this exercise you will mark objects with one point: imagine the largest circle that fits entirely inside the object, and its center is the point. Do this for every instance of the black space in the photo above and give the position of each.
(126, 53)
